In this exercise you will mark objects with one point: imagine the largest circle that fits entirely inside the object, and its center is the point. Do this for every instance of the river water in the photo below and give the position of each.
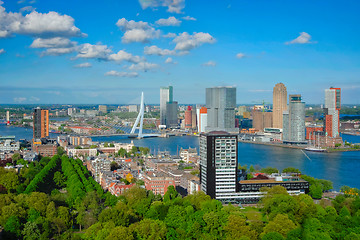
(342, 168)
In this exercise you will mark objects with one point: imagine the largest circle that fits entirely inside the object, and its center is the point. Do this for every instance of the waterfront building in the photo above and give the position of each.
(193, 118)
(201, 114)
(171, 115)
(294, 120)
(8, 144)
(103, 109)
(8, 117)
(331, 111)
(221, 103)
(166, 95)
(40, 123)
(133, 108)
(188, 118)
(262, 120)
(218, 165)
(279, 104)
(70, 111)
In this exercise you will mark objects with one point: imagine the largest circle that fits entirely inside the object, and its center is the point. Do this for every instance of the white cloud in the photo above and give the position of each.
(56, 42)
(302, 39)
(172, 5)
(51, 24)
(126, 25)
(154, 50)
(170, 60)
(240, 55)
(124, 56)
(137, 31)
(98, 51)
(27, 9)
(140, 35)
(83, 65)
(58, 51)
(143, 66)
(171, 21)
(209, 64)
(169, 35)
(34, 99)
(122, 74)
(2, 51)
(186, 42)
(20, 99)
(188, 18)
(55, 46)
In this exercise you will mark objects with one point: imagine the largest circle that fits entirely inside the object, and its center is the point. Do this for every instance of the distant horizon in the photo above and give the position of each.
(111, 51)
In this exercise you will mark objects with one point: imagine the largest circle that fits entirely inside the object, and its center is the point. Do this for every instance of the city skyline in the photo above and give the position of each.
(110, 55)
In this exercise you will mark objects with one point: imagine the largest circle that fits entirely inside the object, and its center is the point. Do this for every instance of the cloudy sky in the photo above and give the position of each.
(109, 51)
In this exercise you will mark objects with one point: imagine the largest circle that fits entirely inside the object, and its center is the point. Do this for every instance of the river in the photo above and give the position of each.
(342, 168)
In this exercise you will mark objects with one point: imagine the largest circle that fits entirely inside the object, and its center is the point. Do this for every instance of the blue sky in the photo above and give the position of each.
(109, 51)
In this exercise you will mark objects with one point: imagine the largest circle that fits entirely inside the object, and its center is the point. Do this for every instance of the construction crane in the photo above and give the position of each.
(263, 103)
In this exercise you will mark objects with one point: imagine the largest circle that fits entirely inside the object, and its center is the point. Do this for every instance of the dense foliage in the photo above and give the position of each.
(77, 208)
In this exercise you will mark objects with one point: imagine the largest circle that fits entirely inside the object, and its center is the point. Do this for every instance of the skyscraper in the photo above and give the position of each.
(221, 103)
(331, 111)
(171, 114)
(294, 120)
(218, 165)
(261, 120)
(279, 104)
(188, 117)
(166, 95)
(41, 123)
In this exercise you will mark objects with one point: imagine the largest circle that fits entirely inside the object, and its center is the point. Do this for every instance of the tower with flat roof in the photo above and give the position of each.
(41, 123)
(279, 104)
(221, 104)
(331, 111)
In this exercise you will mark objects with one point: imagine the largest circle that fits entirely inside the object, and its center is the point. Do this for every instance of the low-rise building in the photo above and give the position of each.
(188, 154)
(157, 182)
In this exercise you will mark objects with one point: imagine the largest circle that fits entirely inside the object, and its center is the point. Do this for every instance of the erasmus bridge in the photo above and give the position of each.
(140, 121)
(136, 131)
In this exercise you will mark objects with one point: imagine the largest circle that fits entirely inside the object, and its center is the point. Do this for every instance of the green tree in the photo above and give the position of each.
(237, 228)
(31, 231)
(291, 170)
(12, 227)
(60, 151)
(281, 224)
(272, 236)
(269, 170)
(59, 179)
(149, 229)
(315, 191)
(120, 233)
(16, 157)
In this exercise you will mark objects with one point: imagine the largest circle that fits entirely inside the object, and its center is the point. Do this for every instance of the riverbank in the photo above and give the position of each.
(329, 150)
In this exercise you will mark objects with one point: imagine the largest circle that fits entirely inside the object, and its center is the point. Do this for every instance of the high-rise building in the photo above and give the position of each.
(41, 123)
(218, 165)
(279, 104)
(294, 120)
(188, 117)
(221, 103)
(331, 111)
(193, 118)
(171, 114)
(166, 95)
(201, 118)
(103, 109)
(261, 120)
(7, 118)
